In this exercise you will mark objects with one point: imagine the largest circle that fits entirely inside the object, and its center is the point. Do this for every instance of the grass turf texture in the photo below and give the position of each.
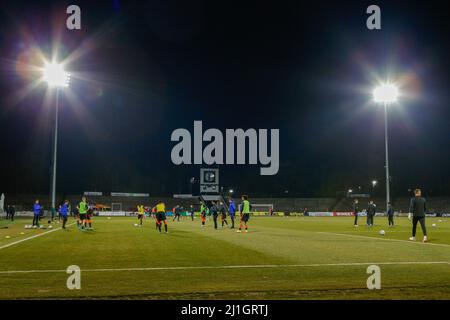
(284, 258)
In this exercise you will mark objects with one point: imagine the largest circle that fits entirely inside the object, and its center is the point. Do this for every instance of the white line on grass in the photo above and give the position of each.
(240, 266)
(397, 240)
(35, 236)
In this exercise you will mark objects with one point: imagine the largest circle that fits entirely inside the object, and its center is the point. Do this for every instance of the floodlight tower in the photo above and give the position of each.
(57, 78)
(386, 94)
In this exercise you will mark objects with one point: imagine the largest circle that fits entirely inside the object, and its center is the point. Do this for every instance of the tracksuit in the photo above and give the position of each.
(355, 212)
(36, 212)
(64, 211)
(418, 208)
(390, 215)
(232, 212)
(371, 210)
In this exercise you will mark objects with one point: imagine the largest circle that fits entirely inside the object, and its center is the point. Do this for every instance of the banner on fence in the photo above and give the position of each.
(92, 193)
(320, 214)
(343, 214)
(125, 194)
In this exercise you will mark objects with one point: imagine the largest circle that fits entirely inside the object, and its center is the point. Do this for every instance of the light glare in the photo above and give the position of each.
(55, 76)
(386, 93)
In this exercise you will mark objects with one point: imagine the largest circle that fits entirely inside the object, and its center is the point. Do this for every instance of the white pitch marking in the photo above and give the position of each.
(373, 238)
(35, 236)
(239, 266)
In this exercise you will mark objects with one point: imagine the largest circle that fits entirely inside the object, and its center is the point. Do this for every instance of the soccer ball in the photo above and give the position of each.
(382, 232)
(135, 224)
(109, 218)
(50, 227)
(433, 225)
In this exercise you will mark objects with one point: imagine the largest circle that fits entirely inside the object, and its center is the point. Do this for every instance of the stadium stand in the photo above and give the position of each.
(401, 204)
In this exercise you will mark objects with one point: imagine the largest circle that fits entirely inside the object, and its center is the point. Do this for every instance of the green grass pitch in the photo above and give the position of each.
(280, 258)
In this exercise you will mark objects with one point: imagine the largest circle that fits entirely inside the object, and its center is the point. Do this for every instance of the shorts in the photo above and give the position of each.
(161, 216)
(245, 217)
(140, 215)
(82, 216)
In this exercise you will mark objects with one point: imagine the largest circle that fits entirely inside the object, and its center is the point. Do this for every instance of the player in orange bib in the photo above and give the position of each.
(203, 212)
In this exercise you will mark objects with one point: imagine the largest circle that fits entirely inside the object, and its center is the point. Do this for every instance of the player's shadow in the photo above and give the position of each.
(179, 234)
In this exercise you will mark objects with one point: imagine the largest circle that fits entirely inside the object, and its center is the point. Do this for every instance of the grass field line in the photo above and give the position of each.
(396, 240)
(312, 265)
(32, 237)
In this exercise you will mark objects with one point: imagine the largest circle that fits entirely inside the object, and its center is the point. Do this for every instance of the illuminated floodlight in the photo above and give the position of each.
(55, 76)
(386, 93)
(374, 183)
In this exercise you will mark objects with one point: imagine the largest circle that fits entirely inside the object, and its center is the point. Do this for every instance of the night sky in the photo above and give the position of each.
(143, 69)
